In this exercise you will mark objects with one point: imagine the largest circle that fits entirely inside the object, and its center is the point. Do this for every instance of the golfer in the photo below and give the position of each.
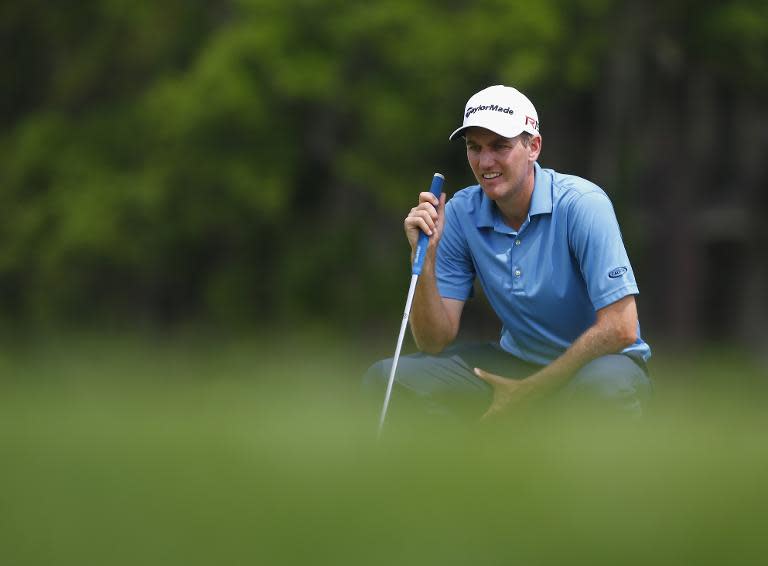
(547, 250)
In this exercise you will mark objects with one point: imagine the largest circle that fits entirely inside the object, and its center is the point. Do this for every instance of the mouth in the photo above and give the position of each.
(490, 176)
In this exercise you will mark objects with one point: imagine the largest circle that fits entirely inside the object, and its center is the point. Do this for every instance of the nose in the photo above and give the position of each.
(485, 159)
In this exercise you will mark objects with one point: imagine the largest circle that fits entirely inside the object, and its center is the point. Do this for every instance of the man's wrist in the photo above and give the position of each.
(541, 383)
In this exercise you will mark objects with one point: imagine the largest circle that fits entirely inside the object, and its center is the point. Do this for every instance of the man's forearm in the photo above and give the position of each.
(607, 336)
(615, 328)
(431, 324)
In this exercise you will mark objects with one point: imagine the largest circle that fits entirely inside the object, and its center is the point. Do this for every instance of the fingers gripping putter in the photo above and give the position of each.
(418, 262)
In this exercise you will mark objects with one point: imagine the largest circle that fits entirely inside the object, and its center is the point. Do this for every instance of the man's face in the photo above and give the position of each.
(501, 165)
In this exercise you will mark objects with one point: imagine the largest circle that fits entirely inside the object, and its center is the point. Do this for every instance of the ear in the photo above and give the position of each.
(534, 149)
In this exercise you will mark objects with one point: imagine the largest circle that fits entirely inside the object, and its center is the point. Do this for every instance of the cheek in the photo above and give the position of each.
(517, 163)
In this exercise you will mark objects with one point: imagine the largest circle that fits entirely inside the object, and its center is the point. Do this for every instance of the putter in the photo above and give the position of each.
(418, 261)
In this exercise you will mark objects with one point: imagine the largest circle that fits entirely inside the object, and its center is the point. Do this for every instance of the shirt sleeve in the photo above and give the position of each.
(454, 270)
(595, 241)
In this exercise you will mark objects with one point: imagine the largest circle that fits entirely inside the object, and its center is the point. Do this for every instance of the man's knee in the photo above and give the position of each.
(613, 382)
(429, 384)
(375, 378)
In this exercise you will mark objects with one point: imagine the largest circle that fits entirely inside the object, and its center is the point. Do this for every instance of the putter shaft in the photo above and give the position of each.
(403, 326)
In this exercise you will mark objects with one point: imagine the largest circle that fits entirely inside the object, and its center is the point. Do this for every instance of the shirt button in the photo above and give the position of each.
(517, 242)
(518, 273)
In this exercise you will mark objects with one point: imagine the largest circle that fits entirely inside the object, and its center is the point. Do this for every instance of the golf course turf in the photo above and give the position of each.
(129, 451)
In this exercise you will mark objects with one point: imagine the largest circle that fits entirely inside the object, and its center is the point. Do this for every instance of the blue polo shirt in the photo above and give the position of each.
(546, 280)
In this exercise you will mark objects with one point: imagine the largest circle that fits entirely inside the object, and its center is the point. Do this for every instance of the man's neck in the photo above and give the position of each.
(515, 210)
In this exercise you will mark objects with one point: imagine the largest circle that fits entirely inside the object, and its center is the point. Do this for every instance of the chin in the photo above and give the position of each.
(493, 193)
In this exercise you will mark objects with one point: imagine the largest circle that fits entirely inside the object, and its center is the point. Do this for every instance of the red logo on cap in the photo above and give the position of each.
(532, 122)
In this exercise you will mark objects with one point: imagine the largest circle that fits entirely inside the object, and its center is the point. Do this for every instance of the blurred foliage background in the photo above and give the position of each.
(245, 163)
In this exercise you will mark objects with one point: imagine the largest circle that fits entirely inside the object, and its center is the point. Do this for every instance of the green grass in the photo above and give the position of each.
(199, 451)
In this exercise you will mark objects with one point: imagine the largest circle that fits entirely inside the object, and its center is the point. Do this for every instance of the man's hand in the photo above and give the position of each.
(507, 393)
(426, 217)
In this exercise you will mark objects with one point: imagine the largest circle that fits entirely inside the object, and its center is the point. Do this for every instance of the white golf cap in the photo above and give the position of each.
(501, 109)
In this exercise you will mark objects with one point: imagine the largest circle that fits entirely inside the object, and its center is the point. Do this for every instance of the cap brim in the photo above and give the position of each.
(457, 132)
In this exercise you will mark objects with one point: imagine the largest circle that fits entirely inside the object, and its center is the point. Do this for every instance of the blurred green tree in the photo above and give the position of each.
(248, 161)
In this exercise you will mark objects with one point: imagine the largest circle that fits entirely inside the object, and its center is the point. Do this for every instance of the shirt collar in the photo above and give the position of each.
(541, 202)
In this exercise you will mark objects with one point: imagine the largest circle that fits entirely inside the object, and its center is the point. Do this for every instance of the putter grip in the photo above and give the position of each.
(421, 245)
